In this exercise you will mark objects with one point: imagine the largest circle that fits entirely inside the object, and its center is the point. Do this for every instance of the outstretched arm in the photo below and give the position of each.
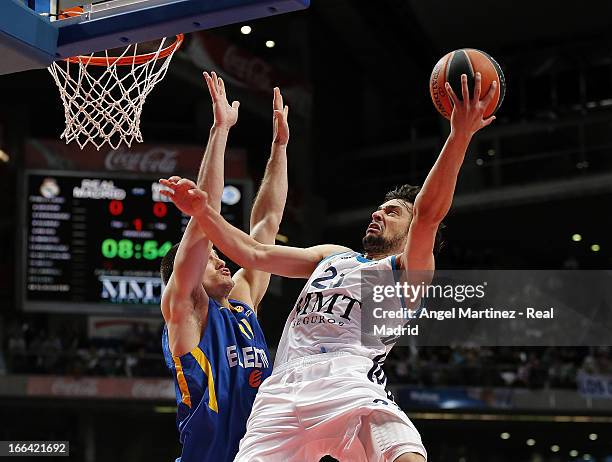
(435, 198)
(243, 249)
(269, 205)
(185, 285)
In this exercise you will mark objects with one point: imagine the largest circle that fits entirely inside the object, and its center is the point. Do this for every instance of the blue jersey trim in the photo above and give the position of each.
(393, 263)
(362, 259)
(246, 306)
(395, 277)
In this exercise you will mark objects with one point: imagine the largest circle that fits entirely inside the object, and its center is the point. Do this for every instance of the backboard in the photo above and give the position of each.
(33, 33)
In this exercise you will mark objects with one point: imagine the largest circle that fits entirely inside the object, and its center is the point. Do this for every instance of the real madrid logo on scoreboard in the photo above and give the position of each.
(94, 242)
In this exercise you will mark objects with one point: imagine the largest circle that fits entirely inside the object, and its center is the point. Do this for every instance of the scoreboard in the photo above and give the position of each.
(94, 243)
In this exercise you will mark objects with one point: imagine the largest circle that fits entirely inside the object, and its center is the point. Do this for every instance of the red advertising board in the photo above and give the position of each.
(100, 388)
(142, 159)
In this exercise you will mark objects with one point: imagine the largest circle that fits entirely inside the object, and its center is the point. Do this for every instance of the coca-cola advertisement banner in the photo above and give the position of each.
(143, 159)
(241, 68)
(100, 388)
(107, 327)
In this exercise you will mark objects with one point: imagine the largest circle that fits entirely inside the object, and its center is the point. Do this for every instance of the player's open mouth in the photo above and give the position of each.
(226, 272)
(373, 227)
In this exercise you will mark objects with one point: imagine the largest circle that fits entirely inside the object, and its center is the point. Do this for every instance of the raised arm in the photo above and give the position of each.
(184, 288)
(267, 212)
(435, 198)
(269, 205)
(211, 174)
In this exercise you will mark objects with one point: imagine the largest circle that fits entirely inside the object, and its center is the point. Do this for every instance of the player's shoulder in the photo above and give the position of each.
(389, 262)
(358, 259)
(326, 251)
(241, 308)
(177, 305)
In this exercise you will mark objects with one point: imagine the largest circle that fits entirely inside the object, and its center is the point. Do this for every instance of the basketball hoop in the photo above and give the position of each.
(103, 95)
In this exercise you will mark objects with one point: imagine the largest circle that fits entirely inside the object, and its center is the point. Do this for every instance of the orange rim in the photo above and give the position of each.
(104, 61)
(128, 60)
(70, 12)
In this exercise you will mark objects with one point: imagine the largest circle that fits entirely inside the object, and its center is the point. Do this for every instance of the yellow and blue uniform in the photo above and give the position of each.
(217, 381)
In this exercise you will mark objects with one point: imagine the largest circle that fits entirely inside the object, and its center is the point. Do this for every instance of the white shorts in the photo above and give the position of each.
(325, 405)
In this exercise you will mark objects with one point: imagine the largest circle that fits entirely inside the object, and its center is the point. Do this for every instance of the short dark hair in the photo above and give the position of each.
(167, 264)
(408, 193)
(405, 192)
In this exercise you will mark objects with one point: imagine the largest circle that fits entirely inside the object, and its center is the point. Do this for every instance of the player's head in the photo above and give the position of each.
(387, 232)
(217, 278)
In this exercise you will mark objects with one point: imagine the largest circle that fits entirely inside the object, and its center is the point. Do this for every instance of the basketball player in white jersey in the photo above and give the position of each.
(326, 394)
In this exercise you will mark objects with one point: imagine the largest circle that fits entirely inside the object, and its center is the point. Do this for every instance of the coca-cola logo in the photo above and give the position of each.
(253, 71)
(153, 390)
(74, 388)
(156, 160)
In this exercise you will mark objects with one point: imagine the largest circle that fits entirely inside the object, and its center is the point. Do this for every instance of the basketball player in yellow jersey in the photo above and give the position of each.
(326, 394)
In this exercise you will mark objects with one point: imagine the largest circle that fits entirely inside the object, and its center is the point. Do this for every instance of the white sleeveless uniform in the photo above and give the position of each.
(327, 315)
(326, 394)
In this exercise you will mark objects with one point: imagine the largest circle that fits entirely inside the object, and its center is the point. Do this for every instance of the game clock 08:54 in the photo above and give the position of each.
(127, 249)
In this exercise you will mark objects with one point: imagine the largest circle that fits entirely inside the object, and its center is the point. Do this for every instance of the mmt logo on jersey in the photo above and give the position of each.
(334, 304)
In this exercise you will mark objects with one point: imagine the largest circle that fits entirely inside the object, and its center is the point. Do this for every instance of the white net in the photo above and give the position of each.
(103, 96)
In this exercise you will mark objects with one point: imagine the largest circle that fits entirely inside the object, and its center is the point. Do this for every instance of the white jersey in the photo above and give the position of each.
(326, 394)
(327, 316)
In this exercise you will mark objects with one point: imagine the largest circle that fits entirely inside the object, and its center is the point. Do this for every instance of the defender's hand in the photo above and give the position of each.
(226, 116)
(185, 194)
(280, 124)
(467, 117)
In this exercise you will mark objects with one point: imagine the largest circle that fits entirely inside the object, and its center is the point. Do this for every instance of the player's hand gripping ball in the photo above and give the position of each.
(465, 61)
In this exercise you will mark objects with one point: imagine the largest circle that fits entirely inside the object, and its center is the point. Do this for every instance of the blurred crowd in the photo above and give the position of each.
(535, 367)
(32, 349)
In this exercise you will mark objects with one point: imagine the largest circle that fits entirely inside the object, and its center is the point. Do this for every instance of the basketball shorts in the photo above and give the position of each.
(325, 404)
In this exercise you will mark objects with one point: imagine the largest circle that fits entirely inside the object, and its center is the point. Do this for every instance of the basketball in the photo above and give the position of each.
(465, 61)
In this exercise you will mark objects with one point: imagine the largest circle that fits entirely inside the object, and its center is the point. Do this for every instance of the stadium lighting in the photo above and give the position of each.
(246, 30)
(555, 448)
(586, 457)
(573, 453)
(595, 248)
(479, 162)
(505, 436)
(270, 43)
(576, 237)
(531, 442)
(593, 436)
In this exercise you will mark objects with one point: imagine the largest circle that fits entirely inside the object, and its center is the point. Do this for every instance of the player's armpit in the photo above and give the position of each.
(416, 264)
(418, 252)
